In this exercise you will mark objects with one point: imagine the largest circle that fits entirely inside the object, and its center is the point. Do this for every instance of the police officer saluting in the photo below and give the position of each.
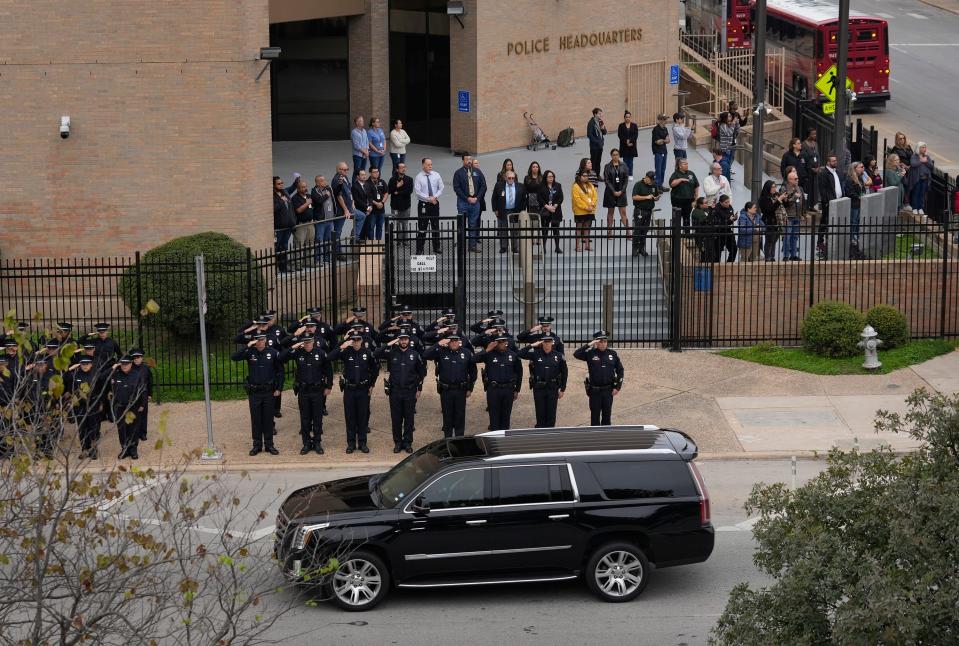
(85, 399)
(455, 376)
(106, 350)
(404, 317)
(127, 395)
(262, 384)
(448, 315)
(547, 378)
(312, 385)
(542, 329)
(360, 370)
(605, 377)
(323, 334)
(407, 370)
(503, 378)
(356, 317)
(146, 376)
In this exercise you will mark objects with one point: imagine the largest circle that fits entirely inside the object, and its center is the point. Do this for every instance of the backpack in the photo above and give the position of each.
(714, 129)
(565, 138)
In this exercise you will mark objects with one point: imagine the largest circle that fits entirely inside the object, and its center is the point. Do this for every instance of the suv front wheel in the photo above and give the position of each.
(617, 572)
(360, 582)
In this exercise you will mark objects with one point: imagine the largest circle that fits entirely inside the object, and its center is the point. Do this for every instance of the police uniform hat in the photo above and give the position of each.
(449, 311)
(310, 322)
(600, 334)
(404, 332)
(10, 342)
(501, 337)
(495, 313)
(406, 309)
(85, 360)
(22, 325)
(313, 310)
(548, 337)
(259, 335)
(358, 310)
(64, 327)
(126, 359)
(358, 326)
(454, 337)
(270, 314)
(497, 323)
(263, 320)
(307, 337)
(101, 327)
(545, 320)
(89, 345)
(52, 343)
(136, 352)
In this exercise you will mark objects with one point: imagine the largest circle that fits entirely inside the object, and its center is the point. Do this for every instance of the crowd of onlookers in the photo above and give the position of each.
(305, 216)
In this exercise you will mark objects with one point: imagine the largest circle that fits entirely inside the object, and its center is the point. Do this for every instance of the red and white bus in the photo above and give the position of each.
(809, 32)
(730, 19)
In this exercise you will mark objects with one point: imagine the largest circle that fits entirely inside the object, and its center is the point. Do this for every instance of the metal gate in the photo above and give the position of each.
(645, 91)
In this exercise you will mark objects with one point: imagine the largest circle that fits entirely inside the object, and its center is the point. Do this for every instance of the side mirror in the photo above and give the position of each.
(420, 506)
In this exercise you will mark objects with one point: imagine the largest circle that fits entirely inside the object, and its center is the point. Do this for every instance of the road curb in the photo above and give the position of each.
(952, 6)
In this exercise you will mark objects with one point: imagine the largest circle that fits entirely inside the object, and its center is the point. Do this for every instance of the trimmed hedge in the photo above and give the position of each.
(891, 324)
(832, 329)
(168, 276)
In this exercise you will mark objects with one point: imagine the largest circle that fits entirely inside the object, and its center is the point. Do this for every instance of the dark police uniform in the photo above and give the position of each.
(314, 375)
(86, 390)
(360, 370)
(9, 378)
(482, 325)
(605, 375)
(455, 376)
(127, 396)
(448, 316)
(358, 313)
(146, 376)
(274, 339)
(407, 370)
(263, 378)
(403, 319)
(532, 337)
(547, 377)
(483, 339)
(106, 351)
(36, 393)
(322, 332)
(503, 378)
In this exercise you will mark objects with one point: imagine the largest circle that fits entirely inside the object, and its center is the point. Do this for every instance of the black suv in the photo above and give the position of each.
(517, 506)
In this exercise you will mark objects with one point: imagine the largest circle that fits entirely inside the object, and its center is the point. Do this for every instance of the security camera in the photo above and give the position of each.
(455, 8)
(64, 127)
(269, 53)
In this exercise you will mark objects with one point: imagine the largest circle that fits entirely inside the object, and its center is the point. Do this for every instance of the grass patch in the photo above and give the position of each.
(801, 359)
(903, 250)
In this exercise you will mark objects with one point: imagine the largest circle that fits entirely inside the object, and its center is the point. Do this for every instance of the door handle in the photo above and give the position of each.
(558, 516)
(476, 522)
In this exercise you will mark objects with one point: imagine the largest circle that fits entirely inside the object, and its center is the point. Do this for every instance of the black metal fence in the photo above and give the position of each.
(683, 291)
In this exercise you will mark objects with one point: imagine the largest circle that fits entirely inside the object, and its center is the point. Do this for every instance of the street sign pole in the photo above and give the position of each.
(839, 116)
(759, 98)
(210, 452)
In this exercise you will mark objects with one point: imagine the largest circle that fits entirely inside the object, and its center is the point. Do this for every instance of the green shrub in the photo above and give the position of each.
(168, 276)
(890, 323)
(832, 329)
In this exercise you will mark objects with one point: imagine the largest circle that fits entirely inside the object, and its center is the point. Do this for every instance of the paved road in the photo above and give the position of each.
(679, 606)
(924, 46)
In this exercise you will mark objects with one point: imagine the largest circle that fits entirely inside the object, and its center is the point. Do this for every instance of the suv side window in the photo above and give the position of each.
(459, 489)
(526, 485)
(652, 479)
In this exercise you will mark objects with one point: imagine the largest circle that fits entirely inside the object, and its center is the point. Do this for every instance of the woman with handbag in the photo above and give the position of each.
(584, 209)
(551, 197)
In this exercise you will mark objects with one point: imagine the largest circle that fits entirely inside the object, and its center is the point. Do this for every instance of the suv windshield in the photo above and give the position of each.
(410, 474)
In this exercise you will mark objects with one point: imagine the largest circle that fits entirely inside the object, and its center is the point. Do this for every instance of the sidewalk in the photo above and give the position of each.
(733, 409)
(951, 6)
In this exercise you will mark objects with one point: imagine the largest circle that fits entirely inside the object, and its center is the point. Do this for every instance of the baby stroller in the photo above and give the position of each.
(537, 136)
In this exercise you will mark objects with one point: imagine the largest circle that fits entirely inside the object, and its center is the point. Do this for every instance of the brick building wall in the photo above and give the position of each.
(170, 132)
(369, 69)
(515, 73)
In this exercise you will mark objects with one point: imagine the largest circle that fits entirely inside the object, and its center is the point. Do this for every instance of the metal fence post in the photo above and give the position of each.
(608, 309)
(676, 272)
(334, 293)
(210, 452)
(460, 286)
(812, 262)
(139, 301)
(943, 298)
(249, 284)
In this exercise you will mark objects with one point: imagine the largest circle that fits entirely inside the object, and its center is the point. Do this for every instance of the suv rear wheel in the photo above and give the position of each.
(360, 582)
(617, 572)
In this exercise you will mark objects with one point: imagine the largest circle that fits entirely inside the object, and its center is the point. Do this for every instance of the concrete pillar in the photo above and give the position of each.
(464, 75)
(838, 238)
(874, 238)
(369, 36)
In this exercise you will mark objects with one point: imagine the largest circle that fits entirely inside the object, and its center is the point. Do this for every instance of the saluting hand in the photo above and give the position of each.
(444, 342)
(249, 345)
(393, 342)
(346, 344)
(537, 344)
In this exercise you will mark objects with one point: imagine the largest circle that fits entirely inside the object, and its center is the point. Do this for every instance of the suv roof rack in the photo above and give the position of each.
(584, 440)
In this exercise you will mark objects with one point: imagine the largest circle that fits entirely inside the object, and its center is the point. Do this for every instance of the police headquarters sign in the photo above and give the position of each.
(575, 41)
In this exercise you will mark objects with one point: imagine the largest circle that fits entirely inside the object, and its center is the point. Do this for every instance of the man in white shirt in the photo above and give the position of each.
(428, 186)
(716, 185)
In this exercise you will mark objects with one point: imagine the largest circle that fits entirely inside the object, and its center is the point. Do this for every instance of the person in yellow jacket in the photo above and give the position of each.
(584, 210)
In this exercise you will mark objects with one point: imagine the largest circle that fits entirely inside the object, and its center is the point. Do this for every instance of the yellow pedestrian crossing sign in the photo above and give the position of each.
(828, 84)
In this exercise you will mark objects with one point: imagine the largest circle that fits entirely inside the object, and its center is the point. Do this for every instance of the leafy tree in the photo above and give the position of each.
(867, 552)
(106, 553)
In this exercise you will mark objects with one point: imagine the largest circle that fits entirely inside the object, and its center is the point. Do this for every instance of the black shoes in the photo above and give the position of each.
(364, 448)
(349, 450)
(272, 450)
(255, 451)
(305, 450)
(278, 414)
(408, 448)
(397, 448)
(319, 449)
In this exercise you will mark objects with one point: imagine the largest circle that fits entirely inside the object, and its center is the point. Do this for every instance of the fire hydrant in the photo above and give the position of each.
(870, 344)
